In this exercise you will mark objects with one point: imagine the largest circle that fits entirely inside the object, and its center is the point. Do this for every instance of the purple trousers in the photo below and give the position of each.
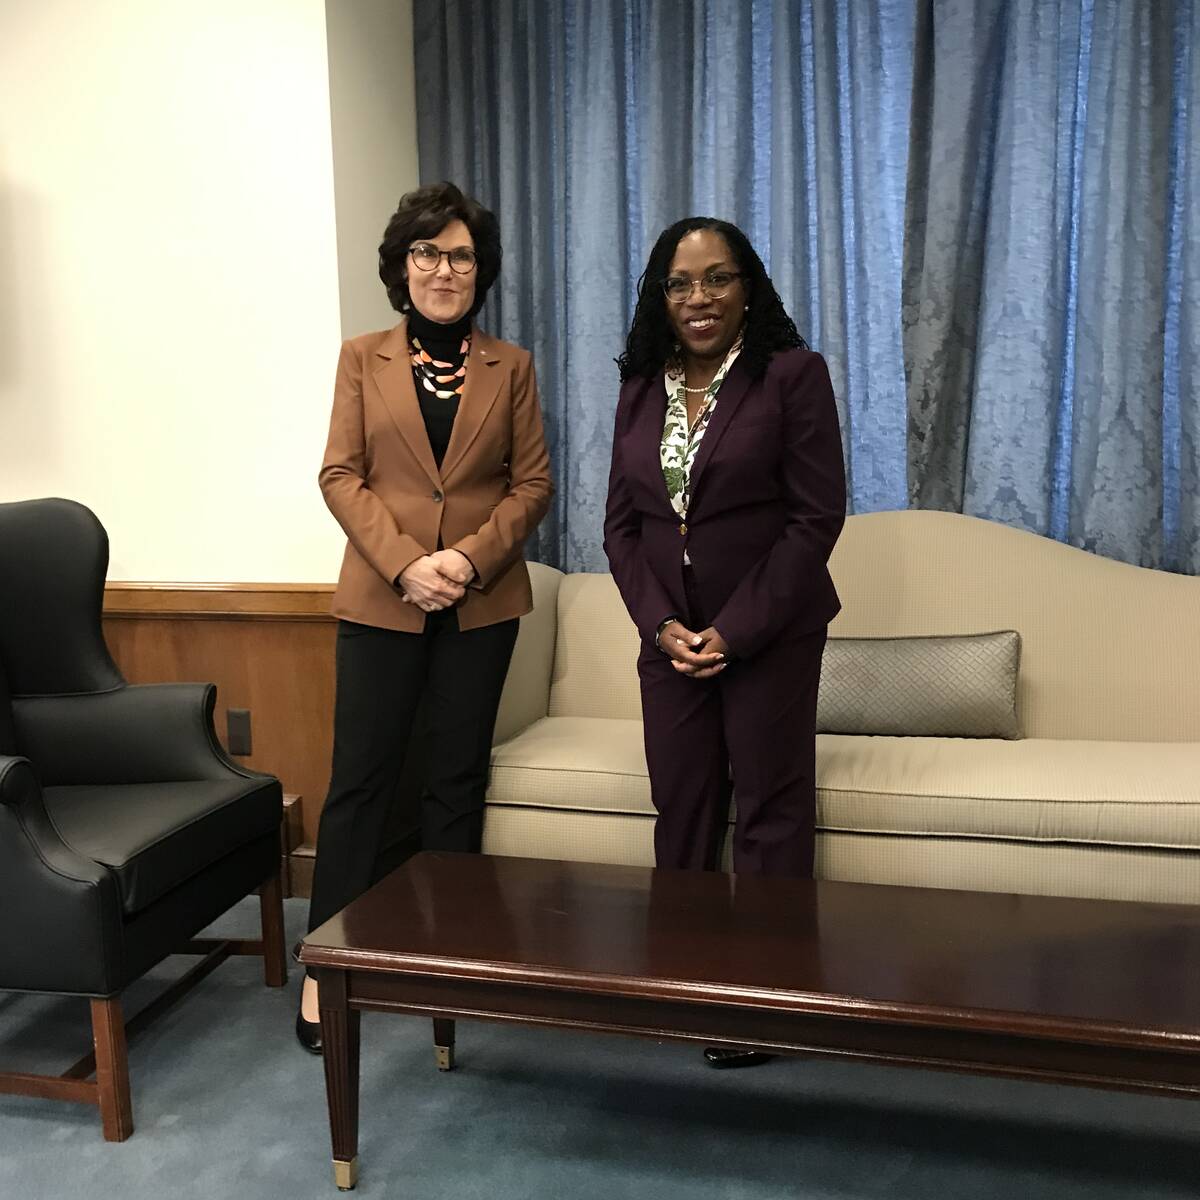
(750, 730)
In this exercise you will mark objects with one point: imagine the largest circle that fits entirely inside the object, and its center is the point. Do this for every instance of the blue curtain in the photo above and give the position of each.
(979, 212)
(1050, 261)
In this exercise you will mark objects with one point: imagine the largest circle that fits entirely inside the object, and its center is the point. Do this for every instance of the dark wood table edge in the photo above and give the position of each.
(1087, 1031)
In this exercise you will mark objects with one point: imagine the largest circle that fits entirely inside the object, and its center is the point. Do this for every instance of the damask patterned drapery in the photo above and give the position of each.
(980, 211)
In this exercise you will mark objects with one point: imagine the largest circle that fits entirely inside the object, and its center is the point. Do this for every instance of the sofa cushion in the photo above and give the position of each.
(589, 764)
(962, 685)
(595, 653)
(153, 836)
(1113, 793)
(1106, 793)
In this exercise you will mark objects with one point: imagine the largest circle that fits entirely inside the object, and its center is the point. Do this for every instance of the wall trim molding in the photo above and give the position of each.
(219, 601)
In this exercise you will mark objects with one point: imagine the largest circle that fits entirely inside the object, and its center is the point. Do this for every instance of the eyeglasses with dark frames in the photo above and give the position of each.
(714, 284)
(426, 257)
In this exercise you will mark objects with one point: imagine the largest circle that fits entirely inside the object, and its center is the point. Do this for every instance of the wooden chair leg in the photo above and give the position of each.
(270, 900)
(443, 1043)
(112, 1069)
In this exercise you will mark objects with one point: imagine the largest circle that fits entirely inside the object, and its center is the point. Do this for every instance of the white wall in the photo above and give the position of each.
(169, 310)
(371, 88)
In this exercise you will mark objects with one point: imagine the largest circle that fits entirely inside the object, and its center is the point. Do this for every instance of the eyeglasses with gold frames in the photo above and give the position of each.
(714, 284)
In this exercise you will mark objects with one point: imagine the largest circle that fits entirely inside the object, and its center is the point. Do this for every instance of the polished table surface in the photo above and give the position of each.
(1014, 962)
(1093, 992)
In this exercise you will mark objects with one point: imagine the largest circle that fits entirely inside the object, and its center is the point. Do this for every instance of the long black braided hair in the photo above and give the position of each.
(651, 342)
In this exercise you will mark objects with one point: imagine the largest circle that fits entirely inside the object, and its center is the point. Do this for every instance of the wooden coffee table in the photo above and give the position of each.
(1093, 992)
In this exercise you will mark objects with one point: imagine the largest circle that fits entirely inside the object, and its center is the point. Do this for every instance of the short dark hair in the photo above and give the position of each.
(651, 343)
(424, 213)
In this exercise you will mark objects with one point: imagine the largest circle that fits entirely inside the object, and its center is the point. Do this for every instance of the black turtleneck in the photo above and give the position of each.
(443, 342)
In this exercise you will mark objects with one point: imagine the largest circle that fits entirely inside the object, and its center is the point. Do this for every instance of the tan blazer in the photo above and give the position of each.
(380, 481)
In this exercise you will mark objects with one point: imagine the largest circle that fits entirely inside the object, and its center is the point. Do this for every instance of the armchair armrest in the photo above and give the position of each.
(62, 911)
(152, 733)
(18, 784)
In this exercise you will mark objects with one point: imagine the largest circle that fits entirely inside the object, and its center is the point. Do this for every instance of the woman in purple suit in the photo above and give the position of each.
(726, 496)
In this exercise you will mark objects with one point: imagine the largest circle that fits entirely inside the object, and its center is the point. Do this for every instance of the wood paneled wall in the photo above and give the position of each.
(268, 648)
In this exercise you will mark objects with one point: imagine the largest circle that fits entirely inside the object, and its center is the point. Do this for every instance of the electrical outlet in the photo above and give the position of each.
(238, 731)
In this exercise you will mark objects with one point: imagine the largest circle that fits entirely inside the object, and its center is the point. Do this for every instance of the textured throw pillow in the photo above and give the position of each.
(947, 686)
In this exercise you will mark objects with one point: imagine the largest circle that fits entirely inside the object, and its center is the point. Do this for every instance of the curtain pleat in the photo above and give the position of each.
(979, 211)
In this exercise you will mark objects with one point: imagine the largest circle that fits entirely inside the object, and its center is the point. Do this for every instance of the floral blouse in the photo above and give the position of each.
(679, 443)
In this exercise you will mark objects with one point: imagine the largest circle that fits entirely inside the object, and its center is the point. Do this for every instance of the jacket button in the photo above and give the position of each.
(683, 530)
(437, 495)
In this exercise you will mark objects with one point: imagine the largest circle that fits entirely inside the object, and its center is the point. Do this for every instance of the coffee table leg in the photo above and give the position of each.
(340, 1034)
(443, 1043)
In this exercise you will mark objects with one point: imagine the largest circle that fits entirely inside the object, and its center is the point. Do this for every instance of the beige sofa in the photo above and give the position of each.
(1100, 797)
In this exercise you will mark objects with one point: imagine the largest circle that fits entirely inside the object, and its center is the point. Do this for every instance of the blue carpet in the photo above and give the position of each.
(227, 1105)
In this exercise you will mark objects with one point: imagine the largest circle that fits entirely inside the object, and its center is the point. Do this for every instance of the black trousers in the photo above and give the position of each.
(383, 677)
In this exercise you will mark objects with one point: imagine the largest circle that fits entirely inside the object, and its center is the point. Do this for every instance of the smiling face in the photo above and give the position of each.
(441, 294)
(706, 328)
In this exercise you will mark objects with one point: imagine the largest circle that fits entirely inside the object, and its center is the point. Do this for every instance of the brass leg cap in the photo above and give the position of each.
(345, 1174)
(445, 1057)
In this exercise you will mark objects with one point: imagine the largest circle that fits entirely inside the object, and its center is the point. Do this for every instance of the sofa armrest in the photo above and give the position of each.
(62, 911)
(147, 734)
(526, 695)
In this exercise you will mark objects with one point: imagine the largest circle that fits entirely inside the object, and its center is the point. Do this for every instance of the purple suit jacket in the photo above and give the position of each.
(768, 502)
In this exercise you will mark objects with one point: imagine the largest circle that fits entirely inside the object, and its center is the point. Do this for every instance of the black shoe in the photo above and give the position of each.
(308, 1034)
(725, 1058)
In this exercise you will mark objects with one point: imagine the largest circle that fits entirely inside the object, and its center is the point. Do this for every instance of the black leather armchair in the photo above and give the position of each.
(124, 828)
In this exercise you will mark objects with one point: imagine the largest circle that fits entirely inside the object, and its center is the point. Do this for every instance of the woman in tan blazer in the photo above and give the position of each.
(437, 470)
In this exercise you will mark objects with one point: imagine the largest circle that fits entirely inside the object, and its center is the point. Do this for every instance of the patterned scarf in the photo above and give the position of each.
(679, 442)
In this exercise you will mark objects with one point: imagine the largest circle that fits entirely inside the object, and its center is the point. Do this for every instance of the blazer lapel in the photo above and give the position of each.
(730, 396)
(394, 378)
(480, 389)
(652, 414)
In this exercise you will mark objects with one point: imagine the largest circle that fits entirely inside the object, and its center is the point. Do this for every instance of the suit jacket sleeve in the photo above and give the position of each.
(501, 541)
(644, 596)
(367, 522)
(814, 491)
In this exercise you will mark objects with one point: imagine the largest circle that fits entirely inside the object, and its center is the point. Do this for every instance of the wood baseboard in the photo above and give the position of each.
(220, 601)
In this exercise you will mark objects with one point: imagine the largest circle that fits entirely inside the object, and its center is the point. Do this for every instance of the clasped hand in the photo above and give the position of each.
(698, 655)
(436, 581)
